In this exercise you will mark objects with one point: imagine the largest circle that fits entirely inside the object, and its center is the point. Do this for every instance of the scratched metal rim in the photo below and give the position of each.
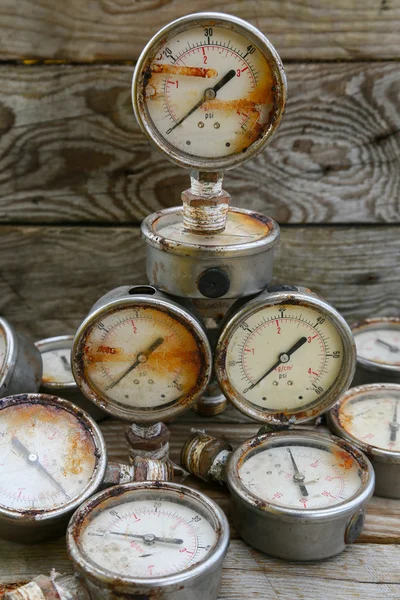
(366, 363)
(44, 515)
(56, 343)
(318, 406)
(254, 445)
(258, 39)
(6, 369)
(335, 425)
(139, 415)
(149, 233)
(108, 579)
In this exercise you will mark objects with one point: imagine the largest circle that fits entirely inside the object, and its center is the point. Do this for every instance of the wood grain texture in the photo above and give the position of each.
(107, 29)
(71, 151)
(51, 276)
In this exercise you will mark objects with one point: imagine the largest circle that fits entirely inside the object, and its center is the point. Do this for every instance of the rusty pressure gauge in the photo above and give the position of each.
(20, 362)
(141, 540)
(369, 417)
(52, 458)
(298, 495)
(141, 356)
(285, 356)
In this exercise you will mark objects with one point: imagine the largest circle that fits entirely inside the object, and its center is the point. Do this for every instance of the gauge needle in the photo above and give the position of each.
(149, 538)
(298, 477)
(394, 425)
(391, 348)
(283, 358)
(65, 363)
(141, 358)
(33, 459)
(209, 94)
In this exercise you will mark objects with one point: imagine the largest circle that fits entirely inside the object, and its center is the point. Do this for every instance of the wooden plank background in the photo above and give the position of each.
(77, 177)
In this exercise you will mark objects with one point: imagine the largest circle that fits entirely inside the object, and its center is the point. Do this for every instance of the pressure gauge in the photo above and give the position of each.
(52, 458)
(285, 356)
(57, 375)
(299, 495)
(368, 416)
(20, 362)
(209, 90)
(149, 538)
(378, 349)
(141, 356)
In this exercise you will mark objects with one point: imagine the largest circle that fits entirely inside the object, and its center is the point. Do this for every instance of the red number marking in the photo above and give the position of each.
(134, 326)
(303, 502)
(277, 495)
(204, 59)
(314, 465)
(186, 550)
(277, 324)
(237, 72)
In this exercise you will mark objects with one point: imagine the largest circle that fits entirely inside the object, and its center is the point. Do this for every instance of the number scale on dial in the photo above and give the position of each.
(269, 337)
(148, 538)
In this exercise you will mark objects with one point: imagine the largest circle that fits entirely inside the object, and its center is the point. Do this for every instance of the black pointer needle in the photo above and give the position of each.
(298, 477)
(391, 348)
(137, 362)
(394, 425)
(149, 538)
(209, 94)
(283, 358)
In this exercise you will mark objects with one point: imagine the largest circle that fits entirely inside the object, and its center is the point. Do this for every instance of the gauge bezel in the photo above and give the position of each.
(259, 443)
(109, 498)
(141, 415)
(43, 515)
(372, 365)
(295, 298)
(338, 429)
(255, 37)
(10, 356)
(56, 343)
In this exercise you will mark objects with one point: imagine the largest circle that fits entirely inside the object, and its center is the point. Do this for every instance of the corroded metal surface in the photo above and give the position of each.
(205, 457)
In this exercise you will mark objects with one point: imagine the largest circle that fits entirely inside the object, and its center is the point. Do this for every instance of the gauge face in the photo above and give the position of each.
(150, 534)
(209, 89)
(57, 365)
(284, 358)
(371, 415)
(142, 358)
(302, 475)
(378, 341)
(47, 457)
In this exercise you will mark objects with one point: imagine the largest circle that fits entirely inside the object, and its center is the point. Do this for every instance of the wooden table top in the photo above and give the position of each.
(366, 570)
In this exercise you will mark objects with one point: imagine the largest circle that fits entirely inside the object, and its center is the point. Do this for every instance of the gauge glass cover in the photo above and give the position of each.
(47, 457)
(378, 342)
(209, 89)
(56, 360)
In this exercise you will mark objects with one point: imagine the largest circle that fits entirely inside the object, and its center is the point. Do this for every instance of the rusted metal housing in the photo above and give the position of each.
(21, 371)
(205, 457)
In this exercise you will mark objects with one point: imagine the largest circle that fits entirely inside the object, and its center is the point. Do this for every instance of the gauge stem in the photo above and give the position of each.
(205, 204)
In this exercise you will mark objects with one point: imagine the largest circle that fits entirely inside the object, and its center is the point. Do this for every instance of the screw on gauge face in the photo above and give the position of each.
(213, 283)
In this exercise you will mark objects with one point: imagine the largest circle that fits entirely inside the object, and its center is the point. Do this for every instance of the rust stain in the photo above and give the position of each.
(109, 350)
(186, 71)
(347, 461)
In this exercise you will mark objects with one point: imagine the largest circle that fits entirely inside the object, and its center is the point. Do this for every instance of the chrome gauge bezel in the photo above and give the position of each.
(109, 498)
(259, 443)
(43, 515)
(10, 356)
(274, 299)
(139, 77)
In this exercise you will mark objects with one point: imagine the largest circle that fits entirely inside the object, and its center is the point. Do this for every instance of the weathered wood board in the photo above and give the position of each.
(71, 151)
(51, 276)
(81, 31)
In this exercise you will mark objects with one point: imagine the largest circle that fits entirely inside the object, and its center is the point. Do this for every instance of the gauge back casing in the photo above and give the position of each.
(386, 463)
(31, 526)
(202, 580)
(296, 297)
(125, 297)
(296, 534)
(22, 367)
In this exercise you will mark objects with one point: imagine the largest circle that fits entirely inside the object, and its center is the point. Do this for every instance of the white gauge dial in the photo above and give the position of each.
(303, 476)
(57, 365)
(150, 537)
(379, 342)
(372, 416)
(47, 457)
(141, 357)
(282, 358)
